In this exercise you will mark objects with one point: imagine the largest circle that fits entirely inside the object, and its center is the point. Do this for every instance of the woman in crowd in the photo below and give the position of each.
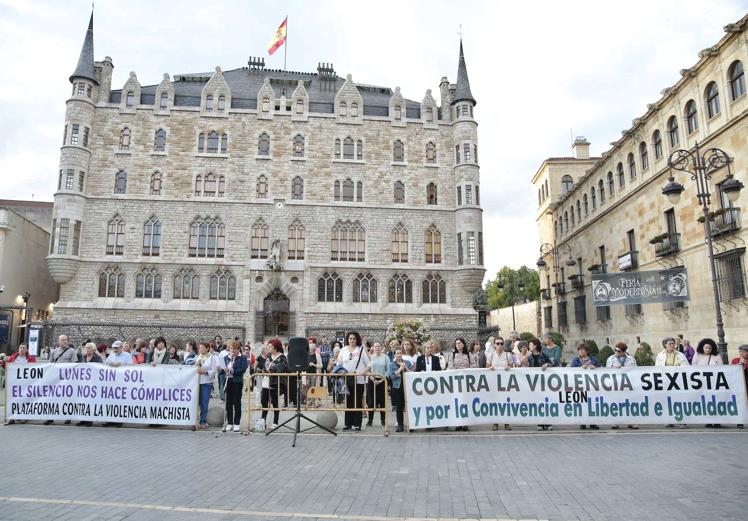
(584, 360)
(742, 361)
(409, 351)
(92, 355)
(379, 368)
(520, 358)
(477, 351)
(501, 358)
(398, 367)
(618, 360)
(537, 358)
(314, 366)
(188, 357)
(206, 365)
(21, 356)
(236, 365)
(272, 387)
(159, 355)
(706, 354)
(460, 358)
(353, 359)
(670, 356)
(173, 355)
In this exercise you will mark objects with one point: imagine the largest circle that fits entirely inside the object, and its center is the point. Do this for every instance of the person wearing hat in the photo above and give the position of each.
(118, 357)
(620, 359)
(742, 360)
(670, 356)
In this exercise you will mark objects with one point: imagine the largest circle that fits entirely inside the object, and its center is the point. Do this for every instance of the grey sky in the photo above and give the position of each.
(537, 69)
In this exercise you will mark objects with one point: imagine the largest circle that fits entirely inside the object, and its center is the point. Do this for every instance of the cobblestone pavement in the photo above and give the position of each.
(64, 472)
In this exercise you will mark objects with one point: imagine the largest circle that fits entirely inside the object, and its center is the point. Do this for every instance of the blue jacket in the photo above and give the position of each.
(240, 367)
(395, 377)
(576, 362)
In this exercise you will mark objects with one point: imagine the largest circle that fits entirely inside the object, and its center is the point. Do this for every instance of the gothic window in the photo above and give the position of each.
(359, 150)
(348, 148)
(52, 237)
(263, 144)
(400, 290)
(632, 166)
(430, 153)
(224, 144)
(566, 183)
(480, 248)
(354, 110)
(76, 238)
(468, 194)
(159, 143)
(296, 241)
(398, 152)
(330, 288)
(112, 283)
(399, 192)
(120, 182)
(586, 204)
(672, 132)
(336, 191)
(579, 211)
(148, 284)
(399, 244)
(348, 242)
(85, 137)
(212, 142)
(266, 105)
(259, 240)
(206, 238)
(337, 149)
(712, 99)
(601, 190)
(74, 135)
(457, 154)
(736, 79)
(201, 142)
(299, 106)
(466, 152)
(115, 236)
(186, 285)
(210, 185)
(79, 88)
(593, 198)
(222, 285)
(459, 249)
(130, 100)
(431, 194)
(262, 187)
(434, 290)
(69, 179)
(692, 120)
(611, 184)
(297, 188)
(459, 196)
(152, 237)
(164, 101)
(62, 239)
(475, 154)
(298, 146)
(198, 185)
(209, 103)
(433, 245)
(644, 155)
(348, 190)
(471, 248)
(124, 138)
(621, 176)
(398, 113)
(221, 103)
(477, 195)
(364, 288)
(81, 180)
(343, 109)
(359, 191)
(657, 143)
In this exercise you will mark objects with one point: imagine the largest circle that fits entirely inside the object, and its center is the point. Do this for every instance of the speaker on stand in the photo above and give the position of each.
(298, 357)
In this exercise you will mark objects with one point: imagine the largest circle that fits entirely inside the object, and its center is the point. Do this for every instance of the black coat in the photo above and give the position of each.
(279, 365)
(421, 363)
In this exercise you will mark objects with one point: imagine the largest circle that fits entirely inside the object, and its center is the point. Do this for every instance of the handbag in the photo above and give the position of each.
(259, 424)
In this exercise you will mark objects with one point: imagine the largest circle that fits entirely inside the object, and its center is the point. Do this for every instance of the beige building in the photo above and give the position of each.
(608, 214)
(24, 240)
(256, 202)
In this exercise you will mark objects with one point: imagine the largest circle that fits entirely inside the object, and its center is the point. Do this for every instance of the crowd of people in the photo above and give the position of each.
(222, 368)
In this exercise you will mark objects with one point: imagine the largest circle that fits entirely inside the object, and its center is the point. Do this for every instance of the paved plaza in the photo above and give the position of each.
(65, 472)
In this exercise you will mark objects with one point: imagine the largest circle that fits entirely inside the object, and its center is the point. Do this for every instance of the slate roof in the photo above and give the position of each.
(85, 68)
(462, 92)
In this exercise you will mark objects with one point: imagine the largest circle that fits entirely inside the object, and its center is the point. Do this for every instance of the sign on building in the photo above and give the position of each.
(640, 287)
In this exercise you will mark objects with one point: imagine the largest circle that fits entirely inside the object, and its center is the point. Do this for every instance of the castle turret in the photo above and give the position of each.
(75, 156)
(469, 215)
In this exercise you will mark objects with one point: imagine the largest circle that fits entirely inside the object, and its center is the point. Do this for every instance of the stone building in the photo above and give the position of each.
(608, 213)
(267, 201)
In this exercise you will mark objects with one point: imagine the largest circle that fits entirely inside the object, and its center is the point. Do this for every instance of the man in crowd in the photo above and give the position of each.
(118, 357)
(620, 359)
(188, 357)
(63, 353)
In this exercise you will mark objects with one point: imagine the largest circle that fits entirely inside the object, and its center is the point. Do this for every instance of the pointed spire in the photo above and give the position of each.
(85, 68)
(462, 93)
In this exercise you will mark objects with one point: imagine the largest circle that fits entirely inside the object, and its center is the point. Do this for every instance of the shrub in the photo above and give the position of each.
(605, 353)
(526, 336)
(558, 338)
(413, 330)
(644, 355)
(592, 348)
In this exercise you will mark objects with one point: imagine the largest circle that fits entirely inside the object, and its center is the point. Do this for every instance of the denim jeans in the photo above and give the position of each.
(205, 390)
(221, 385)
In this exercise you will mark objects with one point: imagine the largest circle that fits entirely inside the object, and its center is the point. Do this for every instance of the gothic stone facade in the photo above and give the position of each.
(270, 200)
(609, 213)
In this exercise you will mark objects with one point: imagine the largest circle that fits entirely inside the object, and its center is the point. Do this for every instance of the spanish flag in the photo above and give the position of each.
(279, 38)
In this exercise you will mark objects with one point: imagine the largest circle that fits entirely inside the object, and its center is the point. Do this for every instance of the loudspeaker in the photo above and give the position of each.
(298, 354)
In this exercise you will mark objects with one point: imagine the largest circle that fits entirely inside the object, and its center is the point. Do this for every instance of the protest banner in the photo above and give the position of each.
(94, 392)
(569, 396)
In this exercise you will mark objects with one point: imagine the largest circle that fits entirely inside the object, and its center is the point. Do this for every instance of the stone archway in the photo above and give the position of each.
(276, 310)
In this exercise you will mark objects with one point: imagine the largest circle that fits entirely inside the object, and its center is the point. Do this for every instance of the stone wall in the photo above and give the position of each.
(526, 318)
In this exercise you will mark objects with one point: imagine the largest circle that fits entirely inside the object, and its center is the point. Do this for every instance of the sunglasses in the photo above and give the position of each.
(499, 343)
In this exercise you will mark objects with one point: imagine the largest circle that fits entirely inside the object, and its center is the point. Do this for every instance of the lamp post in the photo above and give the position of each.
(555, 250)
(26, 316)
(702, 166)
(510, 287)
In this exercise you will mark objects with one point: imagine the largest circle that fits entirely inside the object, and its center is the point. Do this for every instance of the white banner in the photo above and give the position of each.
(95, 392)
(566, 396)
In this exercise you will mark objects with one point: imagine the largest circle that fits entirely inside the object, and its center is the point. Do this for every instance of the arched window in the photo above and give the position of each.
(148, 284)
(566, 183)
(432, 245)
(571, 211)
(297, 188)
(213, 142)
(298, 146)
(152, 237)
(265, 105)
(399, 244)
(210, 185)
(262, 187)
(336, 191)
(221, 186)
(434, 290)
(621, 176)
(586, 204)
(300, 106)
(399, 189)
(209, 103)
(431, 194)
(221, 103)
(201, 142)
(398, 151)
(400, 290)
(337, 149)
(672, 131)
(579, 211)
(712, 99)
(124, 139)
(632, 166)
(120, 182)
(330, 288)
(593, 198)
(398, 113)
(224, 143)
(259, 241)
(601, 190)
(115, 236)
(611, 185)
(198, 185)
(159, 143)
(692, 121)
(644, 155)
(566, 222)
(206, 238)
(296, 241)
(222, 285)
(263, 144)
(364, 288)
(130, 99)
(657, 144)
(354, 110)
(359, 191)
(429, 115)
(359, 150)
(164, 104)
(348, 148)
(186, 285)
(343, 109)
(348, 242)
(736, 80)
(112, 283)
(348, 190)
(430, 153)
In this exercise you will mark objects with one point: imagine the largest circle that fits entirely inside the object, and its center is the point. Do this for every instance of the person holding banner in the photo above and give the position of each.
(398, 367)
(539, 359)
(585, 361)
(551, 350)
(620, 359)
(92, 355)
(742, 360)
(207, 365)
(21, 356)
(500, 358)
(706, 353)
(118, 357)
(460, 358)
(670, 356)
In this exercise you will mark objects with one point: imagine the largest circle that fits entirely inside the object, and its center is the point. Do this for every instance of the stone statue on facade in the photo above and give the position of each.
(274, 262)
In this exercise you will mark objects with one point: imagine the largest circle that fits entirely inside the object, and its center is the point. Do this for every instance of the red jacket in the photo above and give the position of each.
(30, 358)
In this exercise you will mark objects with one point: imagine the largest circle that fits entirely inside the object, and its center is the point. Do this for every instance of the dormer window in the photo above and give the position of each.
(209, 103)
(265, 105)
(354, 110)
(221, 103)
(343, 109)
(130, 100)
(164, 101)
(398, 113)
(429, 115)
(299, 106)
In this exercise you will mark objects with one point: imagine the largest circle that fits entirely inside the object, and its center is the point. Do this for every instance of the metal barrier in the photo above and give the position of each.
(276, 392)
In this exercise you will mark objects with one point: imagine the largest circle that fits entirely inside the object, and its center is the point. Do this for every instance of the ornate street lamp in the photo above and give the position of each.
(702, 166)
(549, 249)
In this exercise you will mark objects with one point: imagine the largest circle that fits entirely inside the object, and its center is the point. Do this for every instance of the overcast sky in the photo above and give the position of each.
(540, 71)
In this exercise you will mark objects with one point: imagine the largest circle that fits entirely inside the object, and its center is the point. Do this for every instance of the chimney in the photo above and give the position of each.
(581, 148)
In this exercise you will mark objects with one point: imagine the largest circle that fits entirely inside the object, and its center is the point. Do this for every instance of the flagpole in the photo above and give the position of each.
(285, 46)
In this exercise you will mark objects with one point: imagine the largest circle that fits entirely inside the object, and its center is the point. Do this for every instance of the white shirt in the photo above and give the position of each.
(210, 363)
(349, 360)
(499, 359)
(411, 359)
(427, 359)
(222, 359)
(123, 358)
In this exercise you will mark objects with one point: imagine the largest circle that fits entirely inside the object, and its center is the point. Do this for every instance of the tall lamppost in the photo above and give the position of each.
(549, 249)
(702, 166)
(509, 285)
(26, 316)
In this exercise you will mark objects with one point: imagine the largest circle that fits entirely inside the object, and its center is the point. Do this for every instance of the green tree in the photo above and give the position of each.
(522, 285)
(605, 353)
(592, 349)
(644, 355)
